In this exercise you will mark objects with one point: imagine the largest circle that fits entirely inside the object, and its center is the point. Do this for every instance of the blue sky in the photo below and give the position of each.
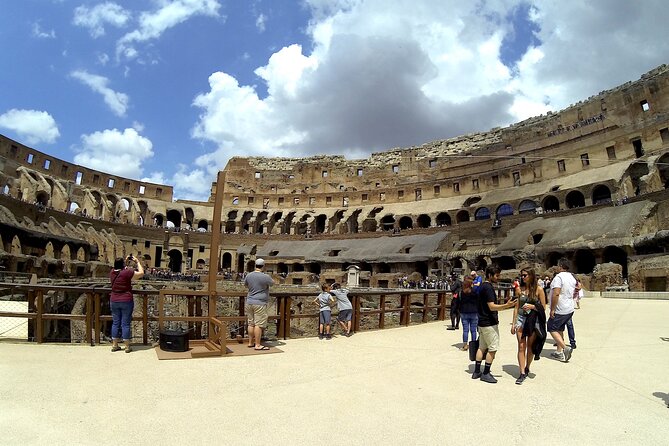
(168, 90)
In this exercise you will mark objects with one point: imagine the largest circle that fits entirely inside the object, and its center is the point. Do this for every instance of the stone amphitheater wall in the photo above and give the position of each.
(614, 146)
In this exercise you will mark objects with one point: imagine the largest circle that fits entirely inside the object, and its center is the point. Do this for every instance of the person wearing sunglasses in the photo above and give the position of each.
(529, 320)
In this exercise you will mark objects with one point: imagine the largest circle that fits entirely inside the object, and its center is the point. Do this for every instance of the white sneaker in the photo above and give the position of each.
(559, 356)
(567, 353)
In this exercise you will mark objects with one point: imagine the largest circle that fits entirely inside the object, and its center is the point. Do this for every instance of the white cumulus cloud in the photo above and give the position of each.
(33, 126)
(114, 151)
(41, 34)
(95, 18)
(153, 24)
(382, 74)
(117, 102)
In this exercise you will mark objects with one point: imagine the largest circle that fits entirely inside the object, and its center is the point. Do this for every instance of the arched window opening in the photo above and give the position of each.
(527, 206)
(388, 222)
(584, 261)
(504, 210)
(550, 204)
(443, 219)
(615, 254)
(575, 199)
(424, 221)
(406, 223)
(601, 195)
(482, 214)
(462, 216)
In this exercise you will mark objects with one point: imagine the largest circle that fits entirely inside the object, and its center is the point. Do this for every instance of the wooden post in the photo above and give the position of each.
(98, 324)
(286, 329)
(39, 328)
(356, 313)
(382, 315)
(213, 252)
(89, 319)
(441, 301)
(405, 317)
(425, 307)
(145, 319)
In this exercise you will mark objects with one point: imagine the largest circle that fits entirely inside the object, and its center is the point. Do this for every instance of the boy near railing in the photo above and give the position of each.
(324, 300)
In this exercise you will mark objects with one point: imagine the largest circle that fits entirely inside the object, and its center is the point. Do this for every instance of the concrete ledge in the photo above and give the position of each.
(635, 295)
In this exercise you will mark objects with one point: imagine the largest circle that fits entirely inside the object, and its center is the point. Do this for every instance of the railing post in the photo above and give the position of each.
(405, 301)
(98, 324)
(39, 327)
(425, 307)
(145, 319)
(441, 299)
(198, 312)
(356, 313)
(382, 315)
(89, 319)
(287, 307)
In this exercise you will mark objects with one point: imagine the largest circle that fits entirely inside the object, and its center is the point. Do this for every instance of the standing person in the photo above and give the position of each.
(562, 307)
(344, 306)
(456, 288)
(488, 324)
(528, 312)
(468, 312)
(121, 301)
(257, 300)
(478, 280)
(324, 299)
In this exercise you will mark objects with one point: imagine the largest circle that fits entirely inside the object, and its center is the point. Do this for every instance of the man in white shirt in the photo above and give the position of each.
(562, 307)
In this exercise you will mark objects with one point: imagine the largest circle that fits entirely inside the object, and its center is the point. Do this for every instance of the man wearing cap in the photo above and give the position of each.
(257, 299)
(476, 282)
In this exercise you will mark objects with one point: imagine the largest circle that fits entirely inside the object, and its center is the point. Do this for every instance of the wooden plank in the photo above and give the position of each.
(145, 320)
(425, 307)
(382, 313)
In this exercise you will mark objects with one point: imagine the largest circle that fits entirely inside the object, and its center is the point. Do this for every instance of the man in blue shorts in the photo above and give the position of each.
(562, 308)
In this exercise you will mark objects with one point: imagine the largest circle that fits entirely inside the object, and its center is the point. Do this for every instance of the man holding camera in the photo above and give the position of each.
(121, 300)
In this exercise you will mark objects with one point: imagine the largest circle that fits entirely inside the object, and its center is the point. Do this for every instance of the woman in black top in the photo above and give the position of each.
(525, 318)
(468, 312)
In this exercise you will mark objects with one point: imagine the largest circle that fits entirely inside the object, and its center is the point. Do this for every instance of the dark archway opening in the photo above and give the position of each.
(617, 255)
(227, 260)
(388, 222)
(424, 221)
(462, 216)
(550, 204)
(601, 195)
(443, 219)
(319, 224)
(584, 261)
(575, 199)
(176, 258)
(406, 223)
(505, 262)
(175, 217)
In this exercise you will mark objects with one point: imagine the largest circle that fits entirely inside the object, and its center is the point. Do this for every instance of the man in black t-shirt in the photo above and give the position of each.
(488, 325)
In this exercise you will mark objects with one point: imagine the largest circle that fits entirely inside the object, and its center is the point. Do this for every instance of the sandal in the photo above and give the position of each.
(128, 349)
(264, 347)
(116, 348)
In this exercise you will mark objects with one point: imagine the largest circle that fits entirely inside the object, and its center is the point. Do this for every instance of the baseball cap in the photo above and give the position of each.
(260, 262)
